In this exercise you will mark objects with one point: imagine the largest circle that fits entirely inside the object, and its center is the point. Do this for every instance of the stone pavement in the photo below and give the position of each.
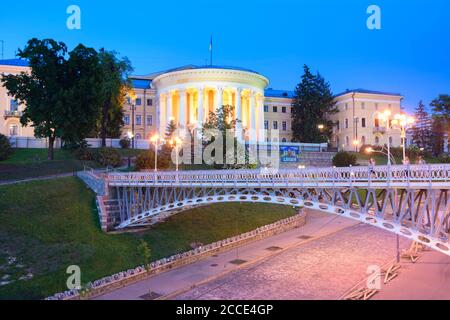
(325, 268)
(317, 225)
(427, 279)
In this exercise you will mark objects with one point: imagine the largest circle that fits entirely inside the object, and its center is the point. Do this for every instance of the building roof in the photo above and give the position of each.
(193, 67)
(14, 62)
(368, 92)
(271, 93)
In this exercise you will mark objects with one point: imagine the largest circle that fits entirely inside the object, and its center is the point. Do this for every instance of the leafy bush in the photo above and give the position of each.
(444, 159)
(108, 157)
(125, 143)
(344, 159)
(146, 160)
(84, 154)
(5, 147)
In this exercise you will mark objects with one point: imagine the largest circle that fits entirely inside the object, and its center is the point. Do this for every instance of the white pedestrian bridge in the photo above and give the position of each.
(412, 201)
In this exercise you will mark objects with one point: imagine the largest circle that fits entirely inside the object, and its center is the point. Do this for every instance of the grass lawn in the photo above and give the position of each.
(45, 226)
(31, 163)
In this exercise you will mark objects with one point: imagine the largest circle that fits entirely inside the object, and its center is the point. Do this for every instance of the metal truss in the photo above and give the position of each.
(412, 201)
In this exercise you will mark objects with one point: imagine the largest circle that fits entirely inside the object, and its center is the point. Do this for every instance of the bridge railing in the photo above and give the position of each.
(387, 174)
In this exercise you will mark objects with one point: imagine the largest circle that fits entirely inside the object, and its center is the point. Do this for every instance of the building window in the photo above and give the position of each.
(126, 119)
(283, 109)
(149, 121)
(284, 125)
(150, 102)
(284, 140)
(377, 122)
(346, 106)
(266, 108)
(138, 136)
(391, 141)
(377, 140)
(138, 120)
(13, 106)
(14, 130)
(292, 110)
(363, 106)
(347, 141)
(346, 123)
(266, 125)
(275, 125)
(275, 109)
(363, 122)
(363, 140)
(138, 101)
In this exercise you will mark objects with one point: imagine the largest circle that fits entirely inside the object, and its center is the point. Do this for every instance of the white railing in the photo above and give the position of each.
(379, 174)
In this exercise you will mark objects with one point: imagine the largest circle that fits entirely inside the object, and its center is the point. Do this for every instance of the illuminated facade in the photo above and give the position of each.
(188, 95)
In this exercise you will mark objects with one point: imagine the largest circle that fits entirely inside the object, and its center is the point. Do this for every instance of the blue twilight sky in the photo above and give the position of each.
(409, 55)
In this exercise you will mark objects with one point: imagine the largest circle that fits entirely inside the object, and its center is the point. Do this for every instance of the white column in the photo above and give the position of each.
(191, 108)
(261, 132)
(219, 100)
(206, 107)
(252, 125)
(200, 112)
(239, 113)
(169, 103)
(162, 112)
(182, 108)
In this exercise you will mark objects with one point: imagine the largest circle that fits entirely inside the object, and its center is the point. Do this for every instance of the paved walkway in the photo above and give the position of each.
(427, 279)
(54, 176)
(324, 266)
(318, 224)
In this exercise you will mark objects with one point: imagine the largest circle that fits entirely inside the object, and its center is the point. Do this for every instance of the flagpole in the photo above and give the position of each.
(211, 49)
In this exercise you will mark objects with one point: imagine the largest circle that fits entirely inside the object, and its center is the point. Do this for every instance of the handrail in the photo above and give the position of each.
(387, 174)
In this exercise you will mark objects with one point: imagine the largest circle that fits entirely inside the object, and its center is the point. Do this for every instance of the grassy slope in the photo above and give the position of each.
(51, 225)
(30, 163)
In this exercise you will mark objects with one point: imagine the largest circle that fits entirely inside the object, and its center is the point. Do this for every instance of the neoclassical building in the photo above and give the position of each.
(187, 95)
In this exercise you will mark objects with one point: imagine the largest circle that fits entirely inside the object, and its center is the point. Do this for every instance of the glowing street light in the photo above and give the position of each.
(156, 140)
(321, 127)
(176, 142)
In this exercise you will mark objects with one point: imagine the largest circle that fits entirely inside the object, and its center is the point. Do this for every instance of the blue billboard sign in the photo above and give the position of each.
(289, 153)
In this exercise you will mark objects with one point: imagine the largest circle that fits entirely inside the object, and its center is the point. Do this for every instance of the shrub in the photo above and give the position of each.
(344, 159)
(125, 143)
(108, 157)
(146, 160)
(84, 154)
(5, 148)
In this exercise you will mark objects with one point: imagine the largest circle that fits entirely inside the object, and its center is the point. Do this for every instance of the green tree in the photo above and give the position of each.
(312, 103)
(422, 128)
(222, 120)
(441, 111)
(439, 129)
(40, 90)
(171, 128)
(113, 89)
(60, 95)
(145, 253)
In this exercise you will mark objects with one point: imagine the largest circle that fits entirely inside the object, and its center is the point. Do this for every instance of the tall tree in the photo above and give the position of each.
(40, 90)
(422, 128)
(441, 110)
(313, 102)
(114, 86)
(438, 130)
(59, 94)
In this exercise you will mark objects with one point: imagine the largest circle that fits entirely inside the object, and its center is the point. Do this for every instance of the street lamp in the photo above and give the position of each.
(155, 140)
(403, 121)
(176, 142)
(132, 96)
(386, 116)
(321, 127)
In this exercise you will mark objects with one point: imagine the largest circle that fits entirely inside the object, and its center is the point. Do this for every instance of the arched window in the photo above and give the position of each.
(377, 140)
(347, 141)
(138, 136)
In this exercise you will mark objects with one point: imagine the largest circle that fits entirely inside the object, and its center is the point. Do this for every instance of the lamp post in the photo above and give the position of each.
(130, 136)
(386, 116)
(132, 96)
(403, 121)
(155, 140)
(176, 142)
